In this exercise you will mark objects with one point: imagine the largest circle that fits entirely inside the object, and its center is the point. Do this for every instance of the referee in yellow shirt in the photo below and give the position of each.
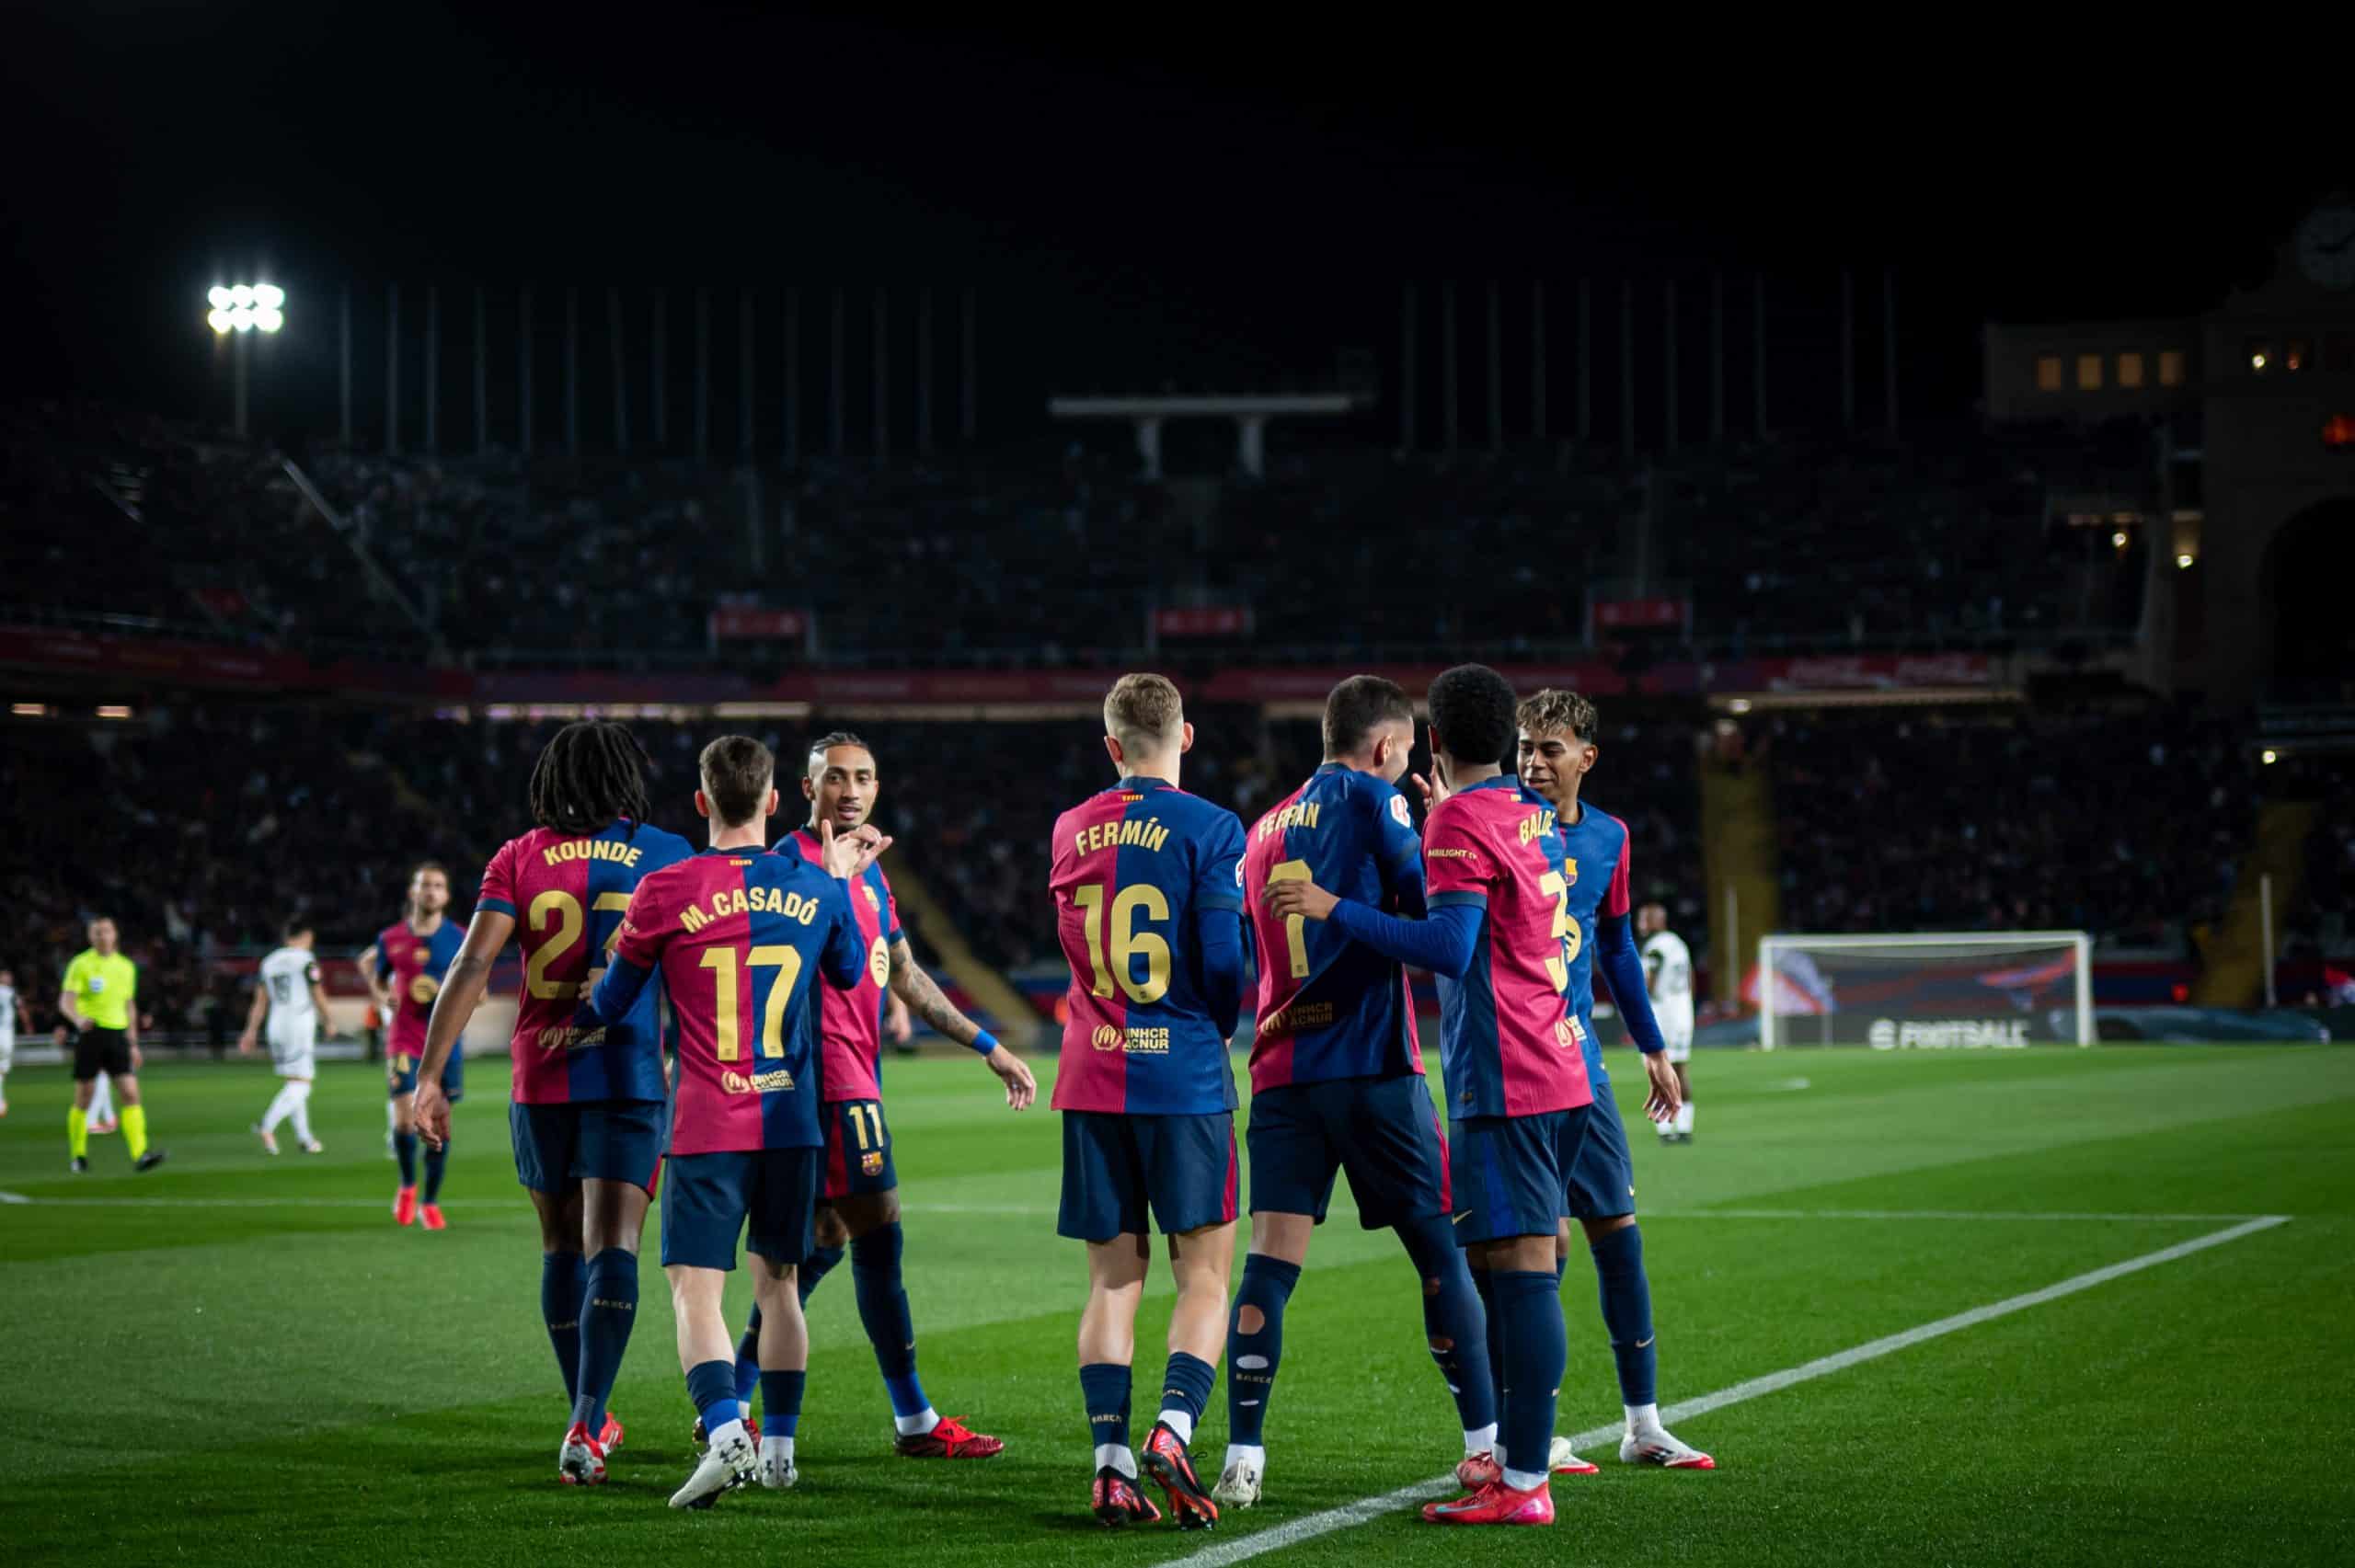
(98, 999)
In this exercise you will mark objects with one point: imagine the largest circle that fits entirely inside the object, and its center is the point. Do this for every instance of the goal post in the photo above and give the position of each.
(1929, 990)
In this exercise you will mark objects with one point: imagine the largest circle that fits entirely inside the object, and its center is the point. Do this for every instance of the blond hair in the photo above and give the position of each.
(1143, 713)
(1555, 712)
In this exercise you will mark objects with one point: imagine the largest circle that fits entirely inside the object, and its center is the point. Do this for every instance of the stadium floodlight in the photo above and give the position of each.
(245, 307)
(1926, 990)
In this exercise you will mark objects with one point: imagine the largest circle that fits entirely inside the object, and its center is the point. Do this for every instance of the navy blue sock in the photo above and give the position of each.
(1454, 1324)
(711, 1389)
(1252, 1356)
(1103, 1387)
(781, 1402)
(1627, 1312)
(1185, 1389)
(1494, 1337)
(815, 1267)
(748, 1361)
(562, 1280)
(1536, 1353)
(883, 1308)
(436, 1162)
(607, 1314)
(405, 1150)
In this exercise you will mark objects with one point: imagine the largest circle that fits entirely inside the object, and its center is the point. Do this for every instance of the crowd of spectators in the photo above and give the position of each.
(1059, 554)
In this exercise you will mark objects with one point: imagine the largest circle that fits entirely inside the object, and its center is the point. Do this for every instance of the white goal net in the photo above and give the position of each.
(1926, 990)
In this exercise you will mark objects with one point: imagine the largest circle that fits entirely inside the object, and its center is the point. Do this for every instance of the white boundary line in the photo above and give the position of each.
(1311, 1526)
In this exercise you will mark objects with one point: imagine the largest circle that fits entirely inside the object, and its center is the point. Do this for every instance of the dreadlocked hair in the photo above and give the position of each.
(591, 772)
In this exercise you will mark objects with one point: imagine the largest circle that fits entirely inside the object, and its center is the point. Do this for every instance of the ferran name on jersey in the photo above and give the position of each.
(755, 900)
(1297, 815)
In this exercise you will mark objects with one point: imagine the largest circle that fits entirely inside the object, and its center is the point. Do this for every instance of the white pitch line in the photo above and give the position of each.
(1368, 1508)
(1945, 1214)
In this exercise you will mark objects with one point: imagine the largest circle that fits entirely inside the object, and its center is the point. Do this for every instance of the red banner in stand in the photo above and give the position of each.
(1639, 614)
(751, 623)
(1203, 621)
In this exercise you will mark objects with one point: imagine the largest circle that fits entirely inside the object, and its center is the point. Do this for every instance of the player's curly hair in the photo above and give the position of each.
(590, 773)
(1471, 709)
(1555, 712)
(832, 738)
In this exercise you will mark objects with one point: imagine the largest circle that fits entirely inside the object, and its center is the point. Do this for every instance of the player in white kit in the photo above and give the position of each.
(12, 1013)
(1668, 975)
(290, 995)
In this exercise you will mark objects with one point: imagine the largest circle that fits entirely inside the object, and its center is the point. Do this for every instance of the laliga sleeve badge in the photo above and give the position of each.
(1399, 811)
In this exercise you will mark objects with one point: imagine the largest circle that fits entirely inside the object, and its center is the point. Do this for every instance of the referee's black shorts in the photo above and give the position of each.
(101, 1050)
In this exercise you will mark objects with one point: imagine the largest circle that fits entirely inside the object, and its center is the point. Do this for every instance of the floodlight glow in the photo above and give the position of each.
(242, 319)
(219, 297)
(2183, 562)
(241, 295)
(269, 296)
(246, 307)
(2271, 756)
(219, 319)
(269, 319)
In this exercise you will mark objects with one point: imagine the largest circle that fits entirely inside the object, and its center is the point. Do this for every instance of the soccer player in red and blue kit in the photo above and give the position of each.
(587, 1119)
(404, 969)
(1146, 883)
(742, 938)
(1557, 747)
(1336, 1075)
(860, 1209)
(1509, 955)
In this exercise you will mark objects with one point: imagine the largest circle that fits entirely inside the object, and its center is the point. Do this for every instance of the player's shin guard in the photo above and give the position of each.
(822, 1261)
(1255, 1344)
(437, 1160)
(883, 1308)
(748, 1361)
(405, 1150)
(1103, 1387)
(563, 1277)
(1627, 1312)
(1529, 1303)
(711, 1389)
(1454, 1323)
(608, 1311)
(1493, 1335)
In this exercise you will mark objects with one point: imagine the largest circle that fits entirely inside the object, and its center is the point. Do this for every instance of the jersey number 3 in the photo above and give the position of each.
(1566, 930)
(1128, 941)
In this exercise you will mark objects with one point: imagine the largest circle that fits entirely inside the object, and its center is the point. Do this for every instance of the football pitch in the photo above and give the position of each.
(2050, 1306)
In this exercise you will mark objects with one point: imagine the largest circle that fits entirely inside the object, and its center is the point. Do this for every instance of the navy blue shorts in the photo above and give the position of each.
(605, 1140)
(710, 1198)
(1603, 1179)
(401, 1075)
(1117, 1166)
(1512, 1173)
(859, 1148)
(1383, 1131)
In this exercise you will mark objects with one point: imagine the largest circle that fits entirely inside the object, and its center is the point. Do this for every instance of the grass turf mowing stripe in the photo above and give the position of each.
(1369, 1508)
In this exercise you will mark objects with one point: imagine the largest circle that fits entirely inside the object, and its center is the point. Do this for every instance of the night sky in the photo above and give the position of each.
(1183, 195)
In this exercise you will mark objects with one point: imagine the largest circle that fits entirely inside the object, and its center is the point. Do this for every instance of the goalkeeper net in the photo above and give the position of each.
(1960, 990)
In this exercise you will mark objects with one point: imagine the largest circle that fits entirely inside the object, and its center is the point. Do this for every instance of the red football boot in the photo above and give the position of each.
(1479, 1471)
(581, 1461)
(431, 1215)
(952, 1439)
(1116, 1502)
(1495, 1504)
(1166, 1461)
(610, 1438)
(404, 1207)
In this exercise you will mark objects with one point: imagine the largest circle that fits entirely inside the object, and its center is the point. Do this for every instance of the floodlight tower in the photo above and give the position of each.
(240, 310)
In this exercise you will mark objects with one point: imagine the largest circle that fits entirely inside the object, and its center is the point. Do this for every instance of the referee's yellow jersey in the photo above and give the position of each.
(103, 987)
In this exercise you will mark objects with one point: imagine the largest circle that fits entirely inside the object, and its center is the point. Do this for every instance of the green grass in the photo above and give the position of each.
(240, 1358)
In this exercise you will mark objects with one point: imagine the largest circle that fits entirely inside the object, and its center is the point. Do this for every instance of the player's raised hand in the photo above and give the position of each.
(1662, 1097)
(1021, 1089)
(432, 1111)
(849, 854)
(1298, 897)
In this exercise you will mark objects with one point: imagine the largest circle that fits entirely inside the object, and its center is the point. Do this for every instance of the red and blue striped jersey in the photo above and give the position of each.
(741, 937)
(566, 894)
(412, 967)
(850, 1022)
(1594, 857)
(1330, 1007)
(1511, 1030)
(1131, 866)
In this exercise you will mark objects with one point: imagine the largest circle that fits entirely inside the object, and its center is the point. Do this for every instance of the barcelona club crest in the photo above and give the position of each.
(1569, 869)
(873, 902)
(872, 1163)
